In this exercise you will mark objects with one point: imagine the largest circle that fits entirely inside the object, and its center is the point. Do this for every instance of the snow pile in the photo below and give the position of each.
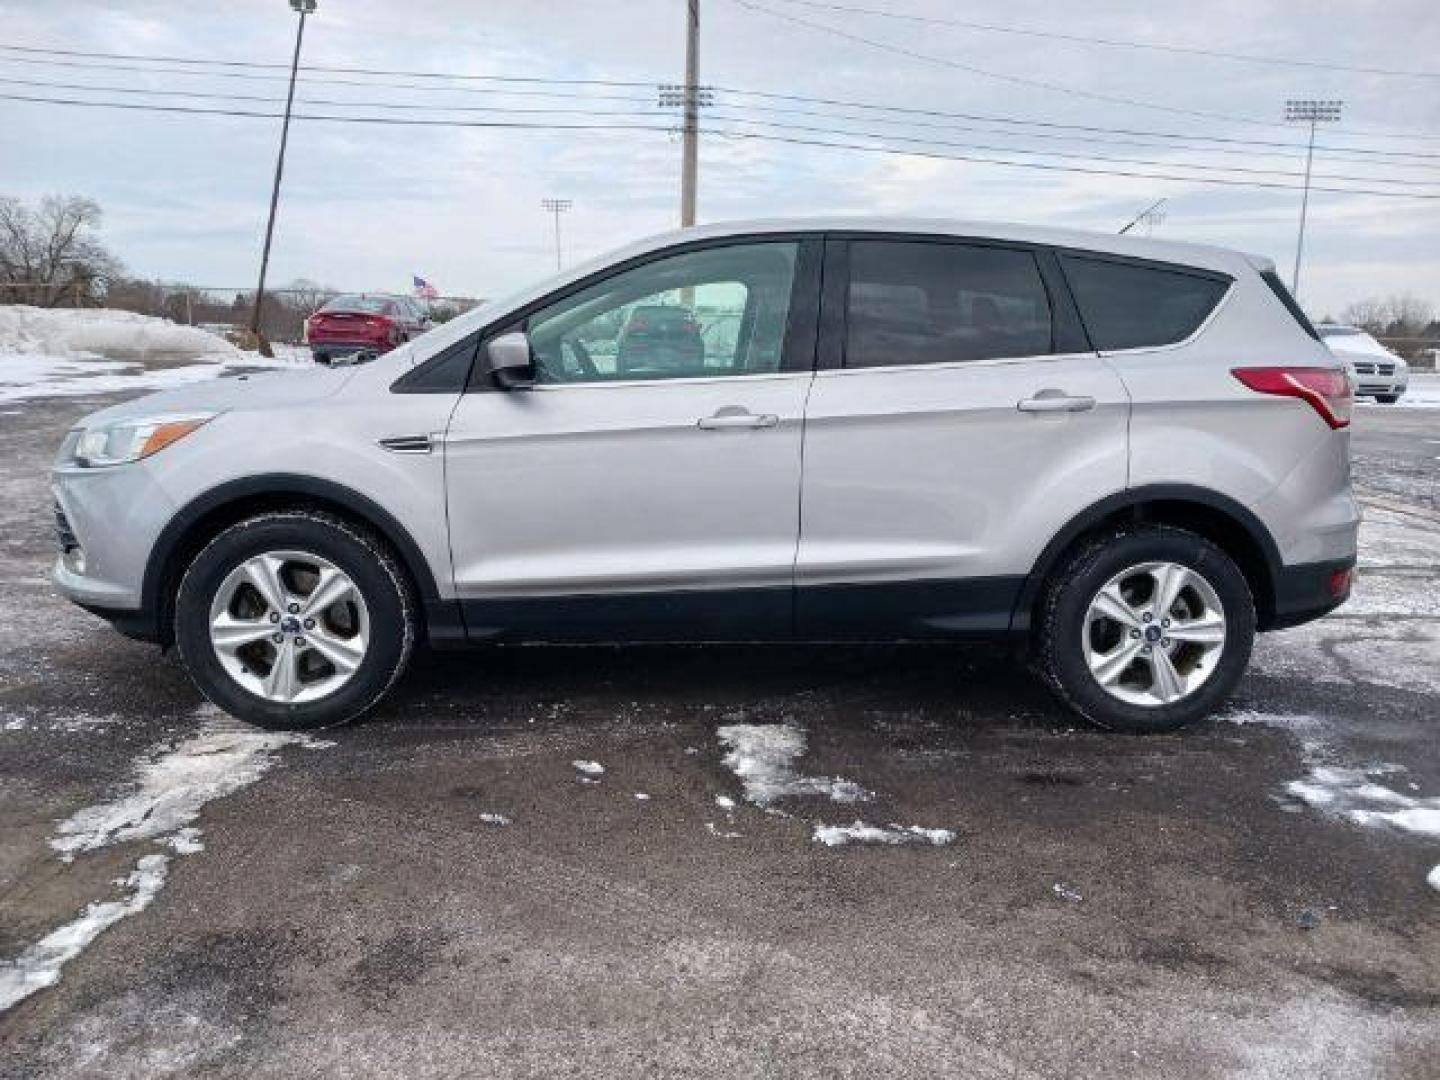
(73, 352)
(861, 833)
(1355, 796)
(116, 335)
(172, 786)
(39, 965)
(763, 756)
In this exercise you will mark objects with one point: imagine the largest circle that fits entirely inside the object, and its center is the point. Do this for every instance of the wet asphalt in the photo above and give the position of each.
(1110, 905)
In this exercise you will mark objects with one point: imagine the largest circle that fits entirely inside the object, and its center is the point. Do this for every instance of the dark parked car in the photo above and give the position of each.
(658, 338)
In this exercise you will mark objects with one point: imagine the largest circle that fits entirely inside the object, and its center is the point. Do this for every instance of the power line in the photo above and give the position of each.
(727, 118)
(791, 140)
(1081, 39)
(495, 85)
(1019, 80)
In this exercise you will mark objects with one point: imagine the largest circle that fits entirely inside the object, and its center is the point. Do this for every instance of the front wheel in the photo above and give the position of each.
(294, 619)
(1387, 399)
(1145, 629)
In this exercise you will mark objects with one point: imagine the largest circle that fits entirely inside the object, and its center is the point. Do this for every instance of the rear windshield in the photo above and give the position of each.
(1130, 305)
(1283, 295)
(369, 305)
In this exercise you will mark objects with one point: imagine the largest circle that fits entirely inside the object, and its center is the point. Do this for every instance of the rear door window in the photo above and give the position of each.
(917, 302)
(1130, 305)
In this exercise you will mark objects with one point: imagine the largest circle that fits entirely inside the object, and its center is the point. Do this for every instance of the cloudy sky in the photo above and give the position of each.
(367, 204)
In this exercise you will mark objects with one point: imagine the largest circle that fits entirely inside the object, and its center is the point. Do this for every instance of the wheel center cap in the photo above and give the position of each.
(1153, 633)
(290, 625)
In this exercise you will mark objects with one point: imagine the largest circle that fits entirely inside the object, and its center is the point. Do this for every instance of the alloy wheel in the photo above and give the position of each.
(1154, 633)
(289, 626)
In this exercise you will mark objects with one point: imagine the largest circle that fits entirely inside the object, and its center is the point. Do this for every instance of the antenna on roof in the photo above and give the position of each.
(1152, 215)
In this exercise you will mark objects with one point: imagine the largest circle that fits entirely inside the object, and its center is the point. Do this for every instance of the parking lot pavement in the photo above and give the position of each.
(605, 862)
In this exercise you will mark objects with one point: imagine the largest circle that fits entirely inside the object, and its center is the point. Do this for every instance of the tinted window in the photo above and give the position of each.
(718, 311)
(1130, 306)
(932, 303)
(1283, 295)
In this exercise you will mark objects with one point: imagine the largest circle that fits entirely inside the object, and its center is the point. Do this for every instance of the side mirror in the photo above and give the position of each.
(509, 361)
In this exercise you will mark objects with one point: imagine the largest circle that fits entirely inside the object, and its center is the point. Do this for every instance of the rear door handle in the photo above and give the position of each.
(733, 417)
(1047, 401)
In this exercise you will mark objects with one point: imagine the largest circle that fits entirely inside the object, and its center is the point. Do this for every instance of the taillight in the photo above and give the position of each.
(1327, 390)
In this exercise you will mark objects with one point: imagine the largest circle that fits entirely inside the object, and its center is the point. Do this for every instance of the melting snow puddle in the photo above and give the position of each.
(590, 771)
(1349, 793)
(763, 756)
(39, 965)
(172, 785)
(861, 833)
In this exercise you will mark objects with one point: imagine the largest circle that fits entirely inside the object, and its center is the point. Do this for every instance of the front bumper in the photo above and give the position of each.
(107, 522)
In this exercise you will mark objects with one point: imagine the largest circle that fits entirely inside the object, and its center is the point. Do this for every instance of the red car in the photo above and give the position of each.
(360, 324)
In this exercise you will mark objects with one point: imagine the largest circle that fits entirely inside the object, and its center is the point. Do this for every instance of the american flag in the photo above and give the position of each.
(423, 288)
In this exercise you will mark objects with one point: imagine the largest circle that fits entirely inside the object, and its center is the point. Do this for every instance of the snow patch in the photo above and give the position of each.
(589, 768)
(715, 830)
(495, 819)
(724, 802)
(641, 796)
(39, 965)
(1433, 879)
(763, 756)
(1354, 795)
(185, 842)
(1067, 892)
(173, 785)
(860, 833)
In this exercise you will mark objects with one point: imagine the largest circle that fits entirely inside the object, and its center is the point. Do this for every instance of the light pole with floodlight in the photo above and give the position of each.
(1310, 111)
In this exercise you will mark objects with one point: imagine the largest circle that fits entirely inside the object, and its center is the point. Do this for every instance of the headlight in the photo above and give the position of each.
(124, 441)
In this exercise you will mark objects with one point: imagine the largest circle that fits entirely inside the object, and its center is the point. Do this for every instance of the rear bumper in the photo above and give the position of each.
(1309, 591)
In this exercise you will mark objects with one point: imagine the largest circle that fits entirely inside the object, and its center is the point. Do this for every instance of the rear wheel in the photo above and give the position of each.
(1145, 630)
(294, 620)
(1387, 399)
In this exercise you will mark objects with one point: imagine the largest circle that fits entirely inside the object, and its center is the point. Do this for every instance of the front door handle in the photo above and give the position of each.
(733, 417)
(1050, 401)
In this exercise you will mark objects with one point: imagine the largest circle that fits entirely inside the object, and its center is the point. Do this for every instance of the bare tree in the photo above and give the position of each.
(1367, 314)
(305, 296)
(49, 254)
(1408, 315)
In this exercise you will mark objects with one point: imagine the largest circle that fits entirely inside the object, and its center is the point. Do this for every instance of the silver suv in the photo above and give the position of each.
(1126, 456)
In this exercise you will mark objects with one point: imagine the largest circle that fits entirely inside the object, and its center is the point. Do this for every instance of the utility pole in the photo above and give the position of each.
(689, 98)
(1310, 111)
(691, 153)
(303, 8)
(557, 207)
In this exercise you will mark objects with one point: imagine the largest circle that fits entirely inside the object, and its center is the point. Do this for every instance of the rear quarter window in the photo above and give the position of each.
(1130, 305)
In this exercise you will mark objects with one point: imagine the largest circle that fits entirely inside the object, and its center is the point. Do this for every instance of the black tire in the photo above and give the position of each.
(371, 565)
(1387, 399)
(1060, 654)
